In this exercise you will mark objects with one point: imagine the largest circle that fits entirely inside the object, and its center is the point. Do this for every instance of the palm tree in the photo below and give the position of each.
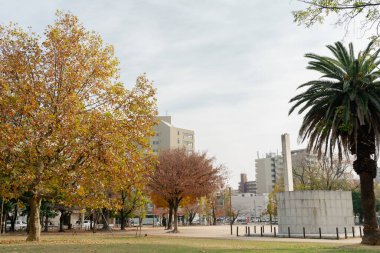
(343, 115)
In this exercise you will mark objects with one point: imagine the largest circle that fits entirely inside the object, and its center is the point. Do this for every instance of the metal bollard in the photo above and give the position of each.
(304, 234)
(353, 232)
(249, 231)
(254, 228)
(345, 232)
(320, 233)
(237, 231)
(289, 232)
(337, 234)
(274, 230)
(261, 231)
(263, 228)
(360, 230)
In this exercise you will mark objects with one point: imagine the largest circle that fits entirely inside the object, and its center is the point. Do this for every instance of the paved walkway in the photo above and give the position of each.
(224, 232)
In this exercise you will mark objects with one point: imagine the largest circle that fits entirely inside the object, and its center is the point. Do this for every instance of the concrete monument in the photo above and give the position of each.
(310, 210)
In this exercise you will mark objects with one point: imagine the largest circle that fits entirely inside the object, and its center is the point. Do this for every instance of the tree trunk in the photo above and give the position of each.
(371, 232)
(366, 167)
(175, 209)
(61, 220)
(122, 211)
(122, 219)
(34, 219)
(91, 220)
(105, 214)
(68, 216)
(191, 217)
(213, 216)
(46, 229)
(94, 227)
(1, 216)
(14, 218)
(170, 218)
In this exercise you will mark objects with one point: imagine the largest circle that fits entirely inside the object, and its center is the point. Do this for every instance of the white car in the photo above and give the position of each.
(19, 225)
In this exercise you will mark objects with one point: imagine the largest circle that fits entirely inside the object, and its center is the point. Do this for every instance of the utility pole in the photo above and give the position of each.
(229, 189)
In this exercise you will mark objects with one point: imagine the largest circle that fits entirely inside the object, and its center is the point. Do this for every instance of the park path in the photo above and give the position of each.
(224, 232)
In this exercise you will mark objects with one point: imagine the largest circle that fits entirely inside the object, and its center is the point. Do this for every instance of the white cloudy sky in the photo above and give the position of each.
(223, 68)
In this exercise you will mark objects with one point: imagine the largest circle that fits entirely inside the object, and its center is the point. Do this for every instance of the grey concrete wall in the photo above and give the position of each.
(313, 210)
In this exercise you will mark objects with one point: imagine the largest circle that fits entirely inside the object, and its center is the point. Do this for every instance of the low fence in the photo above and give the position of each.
(272, 231)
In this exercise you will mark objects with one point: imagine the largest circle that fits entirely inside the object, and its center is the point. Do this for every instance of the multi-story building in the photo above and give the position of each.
(269, 170)
(242, 183)
(170, 137)
(245, 185)
(251, 187)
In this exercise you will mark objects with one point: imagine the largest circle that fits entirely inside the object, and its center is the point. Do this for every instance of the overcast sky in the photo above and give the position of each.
(224, 68)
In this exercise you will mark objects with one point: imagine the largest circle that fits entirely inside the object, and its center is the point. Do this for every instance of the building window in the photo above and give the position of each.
(178, 132)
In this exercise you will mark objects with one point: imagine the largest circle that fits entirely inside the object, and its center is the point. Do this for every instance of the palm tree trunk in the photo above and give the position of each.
(371, 232)
(366, 167)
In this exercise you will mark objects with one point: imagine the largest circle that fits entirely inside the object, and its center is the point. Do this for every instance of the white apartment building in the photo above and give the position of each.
(268, 171)
(170, 137)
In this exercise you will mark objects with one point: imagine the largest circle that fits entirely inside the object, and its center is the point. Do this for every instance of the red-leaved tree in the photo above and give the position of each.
(181, 174)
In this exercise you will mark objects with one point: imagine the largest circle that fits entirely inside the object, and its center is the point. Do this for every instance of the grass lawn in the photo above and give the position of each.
(121, 243)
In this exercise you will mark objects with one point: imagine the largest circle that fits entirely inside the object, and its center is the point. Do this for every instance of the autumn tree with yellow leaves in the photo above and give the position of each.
(68, 127)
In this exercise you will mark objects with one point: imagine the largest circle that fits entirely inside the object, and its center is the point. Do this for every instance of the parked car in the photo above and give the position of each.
(19, 225)
(241, 220)
(196, 221)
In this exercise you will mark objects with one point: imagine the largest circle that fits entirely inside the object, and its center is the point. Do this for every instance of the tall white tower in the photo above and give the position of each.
(286, 154)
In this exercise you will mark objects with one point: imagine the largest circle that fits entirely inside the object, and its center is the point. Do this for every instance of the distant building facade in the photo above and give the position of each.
(245, 185)
(249, 205)
(242, 183)
(269, 170)
(169, 137)
(251, 187)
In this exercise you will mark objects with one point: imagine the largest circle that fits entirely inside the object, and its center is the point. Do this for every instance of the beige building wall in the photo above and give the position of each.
(269, 170)
(171, 137)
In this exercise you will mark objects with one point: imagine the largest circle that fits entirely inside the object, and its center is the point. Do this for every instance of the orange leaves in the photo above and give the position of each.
(181, 175)
(68, 127)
